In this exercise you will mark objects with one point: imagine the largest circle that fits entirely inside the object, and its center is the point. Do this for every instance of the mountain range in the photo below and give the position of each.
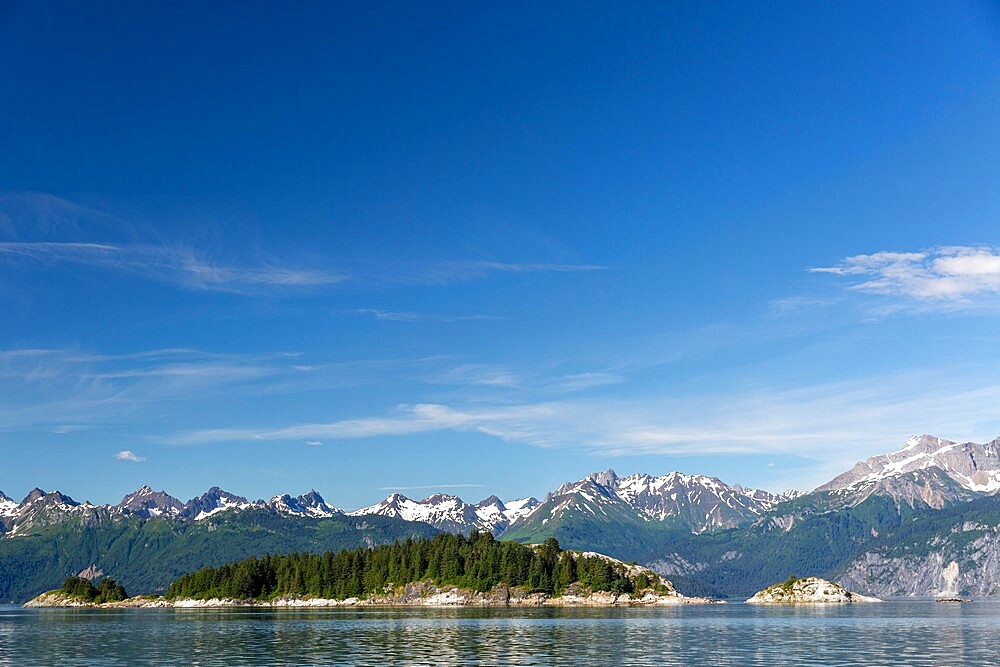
(710, 537)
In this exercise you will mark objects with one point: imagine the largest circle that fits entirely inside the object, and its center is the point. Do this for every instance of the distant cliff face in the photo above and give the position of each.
(963, 560)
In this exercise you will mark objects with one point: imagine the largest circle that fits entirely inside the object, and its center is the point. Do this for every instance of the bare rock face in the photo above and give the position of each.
(964, 560)
(810, 590)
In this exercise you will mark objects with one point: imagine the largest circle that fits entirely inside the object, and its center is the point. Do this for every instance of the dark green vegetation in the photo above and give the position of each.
(742, 561)
(789, 583)
(476, 563)
(108, 590)
(823, 539)
(619, 532)
(145, 555)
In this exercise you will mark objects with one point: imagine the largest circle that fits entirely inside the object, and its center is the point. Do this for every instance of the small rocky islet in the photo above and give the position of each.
(808, 590)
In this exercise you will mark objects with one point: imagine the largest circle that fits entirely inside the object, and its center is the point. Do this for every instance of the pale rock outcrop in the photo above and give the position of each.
(809, 590)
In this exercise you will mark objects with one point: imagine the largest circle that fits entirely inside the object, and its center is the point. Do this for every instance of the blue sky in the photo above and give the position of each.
(489, 248)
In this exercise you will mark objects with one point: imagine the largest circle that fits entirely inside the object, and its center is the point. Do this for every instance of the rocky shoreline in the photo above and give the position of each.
(420, 594)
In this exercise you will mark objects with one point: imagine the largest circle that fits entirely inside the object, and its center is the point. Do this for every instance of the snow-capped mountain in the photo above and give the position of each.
(214, 501)
(973, 466)
(703, 502)
(515, 509)
(928, 470)
(40, 509)
(496, 516)
(451, 513)
(698, 502)
(308, 504)
(148, 503)
(927, 473)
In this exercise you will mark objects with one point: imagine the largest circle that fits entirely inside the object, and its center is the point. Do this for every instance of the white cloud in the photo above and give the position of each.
(952, 274)
(129, 455)
(834, 424)
(314, 443)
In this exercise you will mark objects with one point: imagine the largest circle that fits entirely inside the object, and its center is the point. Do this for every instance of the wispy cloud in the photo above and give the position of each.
(535, 381)
(479, 375)
(581, 381)
(47, 230)
(410, 316)
(175, 265)
(447, 271)
(129, 455)
(71, 390)
(430, 486)
(834, 423)
(314, 443)
(951, 275)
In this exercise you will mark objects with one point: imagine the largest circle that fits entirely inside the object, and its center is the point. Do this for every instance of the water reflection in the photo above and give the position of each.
(910, 632)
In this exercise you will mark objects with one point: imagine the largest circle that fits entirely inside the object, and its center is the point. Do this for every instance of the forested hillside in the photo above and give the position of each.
(145, 555)
(476, 563)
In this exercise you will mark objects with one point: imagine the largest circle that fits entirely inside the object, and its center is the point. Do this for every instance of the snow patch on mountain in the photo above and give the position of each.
(699, 501)
(309, 504)
(149, 503)
(522, 507)
(973, 466)
(7, 506)
(214, 501)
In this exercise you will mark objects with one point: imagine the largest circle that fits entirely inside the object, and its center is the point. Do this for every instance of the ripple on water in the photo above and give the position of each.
(894, 633)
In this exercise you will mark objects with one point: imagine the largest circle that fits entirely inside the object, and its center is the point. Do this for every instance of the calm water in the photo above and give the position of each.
(894, 633)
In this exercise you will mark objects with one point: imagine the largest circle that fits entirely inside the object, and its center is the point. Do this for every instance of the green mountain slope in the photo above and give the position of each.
(591, 519)
(145, 555)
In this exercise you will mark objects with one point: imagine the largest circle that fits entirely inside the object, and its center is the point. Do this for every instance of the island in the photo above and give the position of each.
(807, 590)
(445, 570)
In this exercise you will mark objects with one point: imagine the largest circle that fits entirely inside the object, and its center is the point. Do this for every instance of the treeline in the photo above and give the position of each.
(108, 590)
(478, 563)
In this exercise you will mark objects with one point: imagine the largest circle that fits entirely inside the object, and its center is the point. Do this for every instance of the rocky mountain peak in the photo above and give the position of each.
(608, 478)
(307, 504)
(213, 501)
(311, 498)
(38, 496)
(438, 498)
(147, 503)
(33, 495)
(972, 466)
(490, 502)
(394, 500)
